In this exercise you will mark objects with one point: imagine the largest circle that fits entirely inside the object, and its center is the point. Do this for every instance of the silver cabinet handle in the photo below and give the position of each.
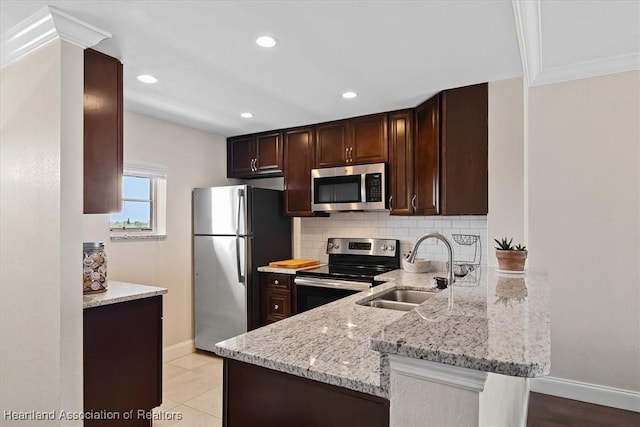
(413, 202)
(346, 154)
(275, 282)
(351, 154)
(390, 203)
(275, 307)
(255, 164)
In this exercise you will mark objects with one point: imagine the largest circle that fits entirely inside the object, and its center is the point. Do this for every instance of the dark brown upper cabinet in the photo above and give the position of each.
(426, 184)
(359, 140)
(464, 179)
(298, 162)
(450, 154)
(103, 133)
(401, 162)
(255, 156)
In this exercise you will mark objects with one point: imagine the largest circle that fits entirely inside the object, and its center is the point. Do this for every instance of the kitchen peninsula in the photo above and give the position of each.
(467, 366)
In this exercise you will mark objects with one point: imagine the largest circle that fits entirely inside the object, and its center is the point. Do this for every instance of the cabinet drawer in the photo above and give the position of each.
(278, 281)
(278, 305)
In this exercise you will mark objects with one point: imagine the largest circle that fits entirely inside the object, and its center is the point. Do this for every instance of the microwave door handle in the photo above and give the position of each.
(363, 188)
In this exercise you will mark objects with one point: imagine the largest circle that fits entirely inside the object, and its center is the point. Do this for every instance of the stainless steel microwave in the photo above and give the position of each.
(349, 188)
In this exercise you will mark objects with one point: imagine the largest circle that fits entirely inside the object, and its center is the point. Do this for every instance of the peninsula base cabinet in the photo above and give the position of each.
(449, 395)
(123, 361)
(257, 396)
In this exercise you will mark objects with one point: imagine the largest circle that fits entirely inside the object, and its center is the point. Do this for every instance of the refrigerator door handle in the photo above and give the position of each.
(240, 209)
(241, 277)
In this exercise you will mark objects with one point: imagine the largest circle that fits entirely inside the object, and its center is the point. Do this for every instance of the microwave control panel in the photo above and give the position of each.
(373, 186)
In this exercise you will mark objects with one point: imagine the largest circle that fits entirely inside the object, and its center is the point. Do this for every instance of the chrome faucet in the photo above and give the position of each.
(446, 242)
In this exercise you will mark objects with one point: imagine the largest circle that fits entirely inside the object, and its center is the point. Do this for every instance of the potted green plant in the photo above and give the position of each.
(510, 258)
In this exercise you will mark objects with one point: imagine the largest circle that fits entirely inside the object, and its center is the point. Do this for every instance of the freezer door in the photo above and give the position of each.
(220, 298)
(220, 210)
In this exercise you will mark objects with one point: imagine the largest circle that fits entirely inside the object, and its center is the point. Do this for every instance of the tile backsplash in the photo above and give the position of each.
(314, 233)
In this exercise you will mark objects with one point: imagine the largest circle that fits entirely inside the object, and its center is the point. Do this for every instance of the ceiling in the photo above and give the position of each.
(394, 54)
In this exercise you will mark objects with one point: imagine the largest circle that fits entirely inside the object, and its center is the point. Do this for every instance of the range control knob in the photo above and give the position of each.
(336, 245)
(392, 248)
(384, 247)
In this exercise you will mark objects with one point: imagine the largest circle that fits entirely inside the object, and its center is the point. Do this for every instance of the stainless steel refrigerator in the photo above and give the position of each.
(236, 229)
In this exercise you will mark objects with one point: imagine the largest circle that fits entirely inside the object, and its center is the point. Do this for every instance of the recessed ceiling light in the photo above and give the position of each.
(146, 78)
(246, 115)
(266, 41)
(349, 95)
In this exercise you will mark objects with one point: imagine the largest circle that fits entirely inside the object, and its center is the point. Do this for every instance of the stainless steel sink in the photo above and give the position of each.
(406, 295)
(398, 299)
(391, 305)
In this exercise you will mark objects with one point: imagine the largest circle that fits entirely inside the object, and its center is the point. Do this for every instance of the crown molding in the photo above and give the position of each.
(529, 29)
(46, 25)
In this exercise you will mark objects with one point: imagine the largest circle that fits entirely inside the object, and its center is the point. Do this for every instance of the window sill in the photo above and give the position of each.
(137, 237)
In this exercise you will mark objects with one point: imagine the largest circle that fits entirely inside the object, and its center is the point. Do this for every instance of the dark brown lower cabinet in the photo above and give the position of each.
(123, 362)
(257, 396)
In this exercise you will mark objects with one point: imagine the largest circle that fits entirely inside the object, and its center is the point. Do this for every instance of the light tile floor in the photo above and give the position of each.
(191, 390)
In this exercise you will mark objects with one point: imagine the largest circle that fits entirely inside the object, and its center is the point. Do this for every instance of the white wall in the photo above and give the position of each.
(506, 163)
(584, 223)
(315, 231)
(193, 159)
(41, 198)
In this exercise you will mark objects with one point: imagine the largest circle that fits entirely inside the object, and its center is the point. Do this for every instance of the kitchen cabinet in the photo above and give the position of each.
(255, 156)
(282, 399)
(277, 296)
(464, 179)
(103, 133)
(359, 140)
(122, 351)
(401, 162)
(448, 158)
(426, 183)
(298, 162)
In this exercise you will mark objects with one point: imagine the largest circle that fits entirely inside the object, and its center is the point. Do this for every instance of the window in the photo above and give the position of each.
(137, 204)
(143, 214)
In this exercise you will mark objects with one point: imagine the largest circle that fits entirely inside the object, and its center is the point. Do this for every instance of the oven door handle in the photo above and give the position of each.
(334, 284)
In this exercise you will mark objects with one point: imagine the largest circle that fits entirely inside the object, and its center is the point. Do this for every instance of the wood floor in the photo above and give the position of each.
(551, 411)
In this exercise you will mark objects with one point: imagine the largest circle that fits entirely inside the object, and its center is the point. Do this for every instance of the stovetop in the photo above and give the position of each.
(346, 272)
(359, 259)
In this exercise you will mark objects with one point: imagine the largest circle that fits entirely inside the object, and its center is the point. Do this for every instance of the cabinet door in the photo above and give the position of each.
(426, 161)
(268, 153)
(298, 162)
(464, 152)
(240, 156)
(401, 162)
(102, 133)
(331, 144)
(122, 359)
(369, 142)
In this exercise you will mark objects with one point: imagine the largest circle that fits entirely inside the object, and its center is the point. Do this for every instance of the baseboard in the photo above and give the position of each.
(178, 350)
(585, 392)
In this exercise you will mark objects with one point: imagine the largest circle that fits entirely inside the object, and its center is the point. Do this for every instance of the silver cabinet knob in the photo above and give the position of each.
(275, 282)
(275, 307)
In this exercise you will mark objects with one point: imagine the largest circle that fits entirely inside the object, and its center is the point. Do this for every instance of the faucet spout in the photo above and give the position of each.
(446, 242)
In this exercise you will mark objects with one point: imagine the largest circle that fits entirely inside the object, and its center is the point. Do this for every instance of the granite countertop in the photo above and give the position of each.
(121, 292)
(499, 324)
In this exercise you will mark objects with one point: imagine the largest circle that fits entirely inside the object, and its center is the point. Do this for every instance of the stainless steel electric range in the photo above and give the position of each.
(353, 264)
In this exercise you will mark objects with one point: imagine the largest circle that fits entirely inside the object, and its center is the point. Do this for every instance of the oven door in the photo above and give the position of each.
(312, 292)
